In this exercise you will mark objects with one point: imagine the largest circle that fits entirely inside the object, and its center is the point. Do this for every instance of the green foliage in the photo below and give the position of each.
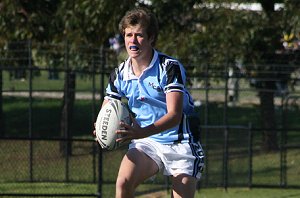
(24, 20)
(91, 22)
(189, 29)
(200, 33)
(88, 22)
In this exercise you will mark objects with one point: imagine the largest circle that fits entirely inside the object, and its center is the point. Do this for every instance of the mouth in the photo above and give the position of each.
(133, 48)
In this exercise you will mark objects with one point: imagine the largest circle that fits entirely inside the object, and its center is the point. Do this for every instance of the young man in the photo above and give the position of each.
(154, 85)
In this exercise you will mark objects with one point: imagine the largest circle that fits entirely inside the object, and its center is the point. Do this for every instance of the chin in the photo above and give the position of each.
(133, 55)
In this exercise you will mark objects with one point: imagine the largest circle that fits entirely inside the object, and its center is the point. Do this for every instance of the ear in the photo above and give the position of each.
(151, 39)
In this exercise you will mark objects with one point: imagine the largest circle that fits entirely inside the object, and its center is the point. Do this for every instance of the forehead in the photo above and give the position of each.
(135, 29)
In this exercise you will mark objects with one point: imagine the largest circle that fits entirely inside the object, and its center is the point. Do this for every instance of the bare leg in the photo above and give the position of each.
(135, 167)
(184, 186)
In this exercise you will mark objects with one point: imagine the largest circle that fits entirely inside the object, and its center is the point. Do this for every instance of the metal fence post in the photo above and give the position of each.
(94, 115)
(283, 141)
(2, 128)
(100, 179)
(66, 124)
(206, 122)
(225, 122)
(30, 111)
(225, 158)
(250, 153)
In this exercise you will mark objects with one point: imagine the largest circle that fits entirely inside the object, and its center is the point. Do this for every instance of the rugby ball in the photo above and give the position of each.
(108, 121)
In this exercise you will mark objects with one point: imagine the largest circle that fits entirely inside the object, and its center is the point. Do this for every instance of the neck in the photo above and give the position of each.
(139, 64)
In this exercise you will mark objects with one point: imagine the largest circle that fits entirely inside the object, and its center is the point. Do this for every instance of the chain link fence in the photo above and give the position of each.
(51, 94)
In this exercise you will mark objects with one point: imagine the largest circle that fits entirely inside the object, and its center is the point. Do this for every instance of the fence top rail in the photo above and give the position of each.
(48, 139)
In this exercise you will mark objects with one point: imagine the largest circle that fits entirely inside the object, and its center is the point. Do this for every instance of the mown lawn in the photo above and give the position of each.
(144, 191)
(50, 165)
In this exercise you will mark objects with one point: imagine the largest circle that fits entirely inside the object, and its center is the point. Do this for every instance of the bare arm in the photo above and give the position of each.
(171, 119)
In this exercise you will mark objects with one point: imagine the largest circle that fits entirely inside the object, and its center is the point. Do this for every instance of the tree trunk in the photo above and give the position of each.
(269, 135)
(67, 113)
(272, 33)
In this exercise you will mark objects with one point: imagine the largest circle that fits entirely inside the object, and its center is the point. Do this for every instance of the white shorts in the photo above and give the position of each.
(173, 159)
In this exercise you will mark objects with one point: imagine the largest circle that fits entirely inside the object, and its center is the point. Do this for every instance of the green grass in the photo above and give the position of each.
(144, 191)
(46, 114)
(47, 188)
(46, 117)
(41, 81)
(241, 193)
(49, 164)
(248, 193)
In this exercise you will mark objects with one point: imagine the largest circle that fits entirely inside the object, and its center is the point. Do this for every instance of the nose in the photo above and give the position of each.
(133, 39)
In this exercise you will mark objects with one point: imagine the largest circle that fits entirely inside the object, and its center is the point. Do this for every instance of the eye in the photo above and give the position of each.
(139, 35)
(128, 34)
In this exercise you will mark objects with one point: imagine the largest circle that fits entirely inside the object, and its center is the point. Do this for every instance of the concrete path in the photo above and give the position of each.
(55, 94)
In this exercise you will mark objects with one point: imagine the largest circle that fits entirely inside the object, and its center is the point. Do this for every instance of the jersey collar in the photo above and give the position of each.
(128, 73)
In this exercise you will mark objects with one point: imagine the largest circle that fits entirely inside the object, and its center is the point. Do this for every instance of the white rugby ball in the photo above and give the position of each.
(108, 121)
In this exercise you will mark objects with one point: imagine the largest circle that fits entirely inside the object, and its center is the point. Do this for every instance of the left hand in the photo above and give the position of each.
(128, 132)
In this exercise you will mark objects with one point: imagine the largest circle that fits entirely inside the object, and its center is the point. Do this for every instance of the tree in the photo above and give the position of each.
(268, 40)
(200, 31)
(220, 34)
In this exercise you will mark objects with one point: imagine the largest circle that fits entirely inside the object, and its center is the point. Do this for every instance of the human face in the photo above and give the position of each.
(137, 43)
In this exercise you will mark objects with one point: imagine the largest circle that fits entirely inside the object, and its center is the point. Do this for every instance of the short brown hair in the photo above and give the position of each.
(140, 16)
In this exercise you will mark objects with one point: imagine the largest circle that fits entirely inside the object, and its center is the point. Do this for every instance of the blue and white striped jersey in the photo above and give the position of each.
(146, 94)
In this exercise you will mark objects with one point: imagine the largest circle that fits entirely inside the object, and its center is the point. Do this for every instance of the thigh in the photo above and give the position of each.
(183, 158)
(184, 186)
(136, 167)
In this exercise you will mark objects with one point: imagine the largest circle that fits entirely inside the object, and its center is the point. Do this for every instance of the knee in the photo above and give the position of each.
(124, 186)
(184, 185)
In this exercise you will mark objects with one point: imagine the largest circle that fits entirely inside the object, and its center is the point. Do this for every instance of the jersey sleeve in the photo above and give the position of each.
(175, 77)
(113, 86)
(175, 81)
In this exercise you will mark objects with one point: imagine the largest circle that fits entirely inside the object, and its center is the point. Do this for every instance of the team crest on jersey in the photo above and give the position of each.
(156, 87)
